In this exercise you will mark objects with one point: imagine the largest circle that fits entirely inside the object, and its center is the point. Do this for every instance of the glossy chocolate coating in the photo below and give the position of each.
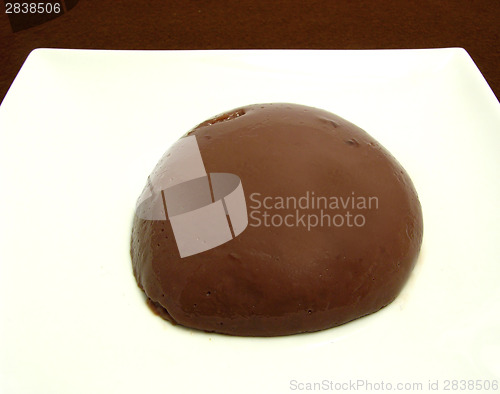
(284, 280)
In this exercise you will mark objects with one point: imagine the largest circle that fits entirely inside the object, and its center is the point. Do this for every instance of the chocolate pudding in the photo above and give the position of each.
(275, 219)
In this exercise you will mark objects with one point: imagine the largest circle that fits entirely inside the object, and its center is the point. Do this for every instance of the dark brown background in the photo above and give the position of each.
(213, 24)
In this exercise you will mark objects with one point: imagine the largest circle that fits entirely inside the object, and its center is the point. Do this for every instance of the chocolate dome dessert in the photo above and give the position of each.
(275, 219)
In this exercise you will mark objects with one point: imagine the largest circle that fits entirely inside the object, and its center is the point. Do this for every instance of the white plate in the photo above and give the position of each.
(81, 130)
